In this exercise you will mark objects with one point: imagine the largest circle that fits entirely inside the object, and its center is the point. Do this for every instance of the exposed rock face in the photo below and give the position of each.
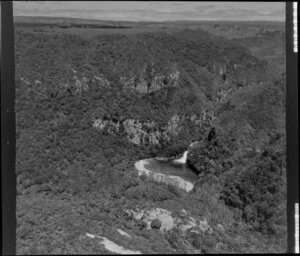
(147, 216)
(100, 81)
(123, 233)
(141, 133)
(38, 82)
(75, 84)
(148, 84)
(163, 216)
(220, 69)
(97, 81)
(25, 81)
(112, 246)
(168, 221)
(222, 95)
(99, 123)
(80, 85)
(172, 127)
(142, 87)
(149, 132)
(196, 232)
(36, 88)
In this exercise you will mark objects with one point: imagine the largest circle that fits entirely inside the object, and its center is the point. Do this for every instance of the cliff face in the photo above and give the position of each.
(146, 133)
(148, 81)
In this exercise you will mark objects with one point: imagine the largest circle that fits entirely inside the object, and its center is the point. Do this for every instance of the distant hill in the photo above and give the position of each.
(181, 24)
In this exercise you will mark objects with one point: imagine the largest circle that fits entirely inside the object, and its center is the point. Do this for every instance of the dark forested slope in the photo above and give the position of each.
(88, 108)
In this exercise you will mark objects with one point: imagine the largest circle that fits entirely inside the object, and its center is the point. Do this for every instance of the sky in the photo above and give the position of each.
(153, 11)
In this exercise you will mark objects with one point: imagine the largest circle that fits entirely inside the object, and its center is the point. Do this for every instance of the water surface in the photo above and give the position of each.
(169, 167)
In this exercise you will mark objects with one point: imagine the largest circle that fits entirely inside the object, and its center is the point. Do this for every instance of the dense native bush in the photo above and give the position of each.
(59, 151)
(248, 156)
(258, 190)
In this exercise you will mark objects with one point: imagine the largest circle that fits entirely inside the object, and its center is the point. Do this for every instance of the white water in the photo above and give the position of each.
(183, 159)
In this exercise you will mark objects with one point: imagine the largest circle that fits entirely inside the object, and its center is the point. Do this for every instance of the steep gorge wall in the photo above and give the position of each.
(150, 80)
(149, 132)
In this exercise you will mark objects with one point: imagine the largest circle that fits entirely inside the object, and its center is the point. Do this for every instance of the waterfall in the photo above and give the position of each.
(183, 159)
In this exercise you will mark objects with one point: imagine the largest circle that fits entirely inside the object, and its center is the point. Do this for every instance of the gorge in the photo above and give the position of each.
(173, 123)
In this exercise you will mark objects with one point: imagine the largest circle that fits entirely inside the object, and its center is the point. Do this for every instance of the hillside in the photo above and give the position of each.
(88, 108)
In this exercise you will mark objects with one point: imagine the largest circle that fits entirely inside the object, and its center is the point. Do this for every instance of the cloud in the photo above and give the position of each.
(277, 12)
(245, 14)
(205, 8)
(177, 4)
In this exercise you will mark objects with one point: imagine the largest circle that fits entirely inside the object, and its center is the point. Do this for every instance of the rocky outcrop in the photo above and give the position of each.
(112, 246)
(146, 84)
(123, 233)
(147, 216)
(149, 132)
(83, 83)
(196, 232)
(35, 88)
(219, 69)
(140, 133)
(74, 85)
(100, 81)
(223, 94)
(80, 85)
(181, 220)
(99, 123)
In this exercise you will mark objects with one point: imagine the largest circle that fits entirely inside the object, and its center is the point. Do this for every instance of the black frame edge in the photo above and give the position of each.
(8, 127)
(292, 132)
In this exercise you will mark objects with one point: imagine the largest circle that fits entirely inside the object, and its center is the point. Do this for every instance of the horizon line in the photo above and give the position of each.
(213, 20)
